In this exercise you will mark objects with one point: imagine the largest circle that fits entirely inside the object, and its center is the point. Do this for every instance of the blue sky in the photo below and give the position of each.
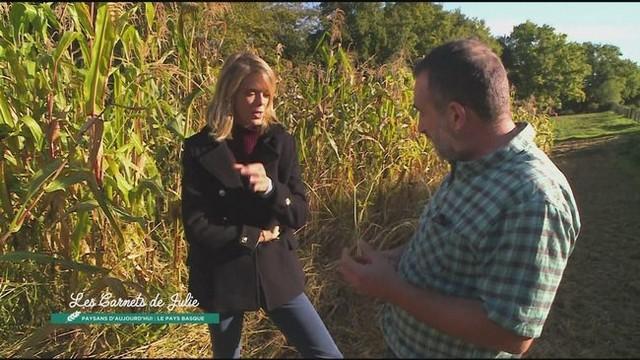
(605, 23)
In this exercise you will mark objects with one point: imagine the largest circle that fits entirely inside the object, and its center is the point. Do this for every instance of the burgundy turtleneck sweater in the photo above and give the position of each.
(243, 142)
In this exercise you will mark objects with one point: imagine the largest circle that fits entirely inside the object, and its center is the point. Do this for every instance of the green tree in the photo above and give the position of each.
(630, 72)
(609, 92)
(544, 66)
(379, 32)
(359, 27)
(271, 29)
(366, 34)
(603, 86)
(613, 80)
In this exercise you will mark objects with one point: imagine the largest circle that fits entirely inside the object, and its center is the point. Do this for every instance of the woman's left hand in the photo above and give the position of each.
(268, 235)
(258, 179)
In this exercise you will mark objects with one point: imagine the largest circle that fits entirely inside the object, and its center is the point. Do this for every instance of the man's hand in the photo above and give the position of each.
(258, 179)
(393, 255)
(268, 235)
(370, 274)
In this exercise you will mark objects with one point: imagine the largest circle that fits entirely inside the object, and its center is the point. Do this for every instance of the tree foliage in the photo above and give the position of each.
(543, 65)
(270, 29)
(380, 32)
(604, 85)
(612, 80)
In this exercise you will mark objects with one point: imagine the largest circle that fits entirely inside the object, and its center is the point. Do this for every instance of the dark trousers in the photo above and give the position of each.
(298, 321)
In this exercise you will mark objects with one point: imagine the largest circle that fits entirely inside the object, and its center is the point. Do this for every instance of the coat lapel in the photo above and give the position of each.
(266, 151)
(218, 160)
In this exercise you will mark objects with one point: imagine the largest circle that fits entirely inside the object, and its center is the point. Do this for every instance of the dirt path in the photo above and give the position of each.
(596, 312)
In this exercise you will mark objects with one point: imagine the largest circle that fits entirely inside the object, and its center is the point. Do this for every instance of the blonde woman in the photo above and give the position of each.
(242, 199)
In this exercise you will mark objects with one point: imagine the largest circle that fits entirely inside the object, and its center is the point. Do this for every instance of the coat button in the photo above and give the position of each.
(244, 239)
(287, 201)
(221, 192)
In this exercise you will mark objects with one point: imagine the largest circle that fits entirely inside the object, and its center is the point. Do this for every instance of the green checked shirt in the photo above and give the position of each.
(500, 230)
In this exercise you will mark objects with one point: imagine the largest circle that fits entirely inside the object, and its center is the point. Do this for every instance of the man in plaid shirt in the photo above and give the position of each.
(478, 277)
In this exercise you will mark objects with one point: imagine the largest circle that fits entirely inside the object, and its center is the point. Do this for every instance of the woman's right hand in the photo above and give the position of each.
(268, 235)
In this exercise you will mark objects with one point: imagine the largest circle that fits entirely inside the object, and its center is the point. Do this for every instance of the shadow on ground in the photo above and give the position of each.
(596, 311)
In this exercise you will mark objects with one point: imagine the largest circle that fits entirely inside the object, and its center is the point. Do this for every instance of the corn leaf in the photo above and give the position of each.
(35, 130)
(64, 182)
(104, 206)
(101, 51)
(6, 114)
(64, 43)
(40, 258)
(150, 12)
(35, 185)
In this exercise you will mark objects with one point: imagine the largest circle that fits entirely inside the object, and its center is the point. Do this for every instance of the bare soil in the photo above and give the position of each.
(596, 313)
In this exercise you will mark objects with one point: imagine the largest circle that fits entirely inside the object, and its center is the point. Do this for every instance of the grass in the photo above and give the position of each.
(596, 125)
(628, 157)
(586, 126)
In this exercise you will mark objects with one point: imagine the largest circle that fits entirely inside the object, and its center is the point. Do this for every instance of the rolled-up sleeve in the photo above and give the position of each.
(523, 259)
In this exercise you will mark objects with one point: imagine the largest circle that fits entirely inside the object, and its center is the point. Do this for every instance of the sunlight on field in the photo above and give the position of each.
(586, 126)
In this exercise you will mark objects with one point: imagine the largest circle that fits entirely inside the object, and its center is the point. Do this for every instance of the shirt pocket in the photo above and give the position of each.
(449, 250)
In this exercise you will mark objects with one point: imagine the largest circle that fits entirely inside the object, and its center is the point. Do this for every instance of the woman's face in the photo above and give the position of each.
(251, 99)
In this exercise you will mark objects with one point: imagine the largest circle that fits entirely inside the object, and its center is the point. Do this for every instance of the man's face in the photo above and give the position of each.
(432, 122)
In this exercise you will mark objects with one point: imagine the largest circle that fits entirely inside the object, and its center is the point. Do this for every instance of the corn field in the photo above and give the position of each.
(95, 102)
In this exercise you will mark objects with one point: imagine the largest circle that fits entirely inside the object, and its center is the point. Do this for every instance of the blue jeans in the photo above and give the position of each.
(298, 321)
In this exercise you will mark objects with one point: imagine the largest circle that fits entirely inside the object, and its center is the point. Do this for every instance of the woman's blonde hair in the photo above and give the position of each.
(220, 110)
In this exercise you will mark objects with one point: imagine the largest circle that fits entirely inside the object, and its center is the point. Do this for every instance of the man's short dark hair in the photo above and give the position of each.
(469, 72)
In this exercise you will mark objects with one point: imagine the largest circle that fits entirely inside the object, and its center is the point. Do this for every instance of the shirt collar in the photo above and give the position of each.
(521, 142)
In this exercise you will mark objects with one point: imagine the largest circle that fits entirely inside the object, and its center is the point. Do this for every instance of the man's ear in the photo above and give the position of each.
(457, 116)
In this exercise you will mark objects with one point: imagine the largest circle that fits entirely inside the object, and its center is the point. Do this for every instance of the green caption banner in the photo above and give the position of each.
(134, 318)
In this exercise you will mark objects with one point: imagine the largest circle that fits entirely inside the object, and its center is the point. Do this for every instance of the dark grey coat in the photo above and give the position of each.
(222, 221)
